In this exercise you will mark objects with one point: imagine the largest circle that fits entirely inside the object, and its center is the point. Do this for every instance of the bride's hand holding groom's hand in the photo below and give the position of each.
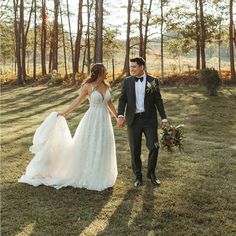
(120, 122)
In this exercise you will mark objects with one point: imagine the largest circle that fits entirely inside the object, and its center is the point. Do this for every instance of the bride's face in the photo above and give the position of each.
(104, 74)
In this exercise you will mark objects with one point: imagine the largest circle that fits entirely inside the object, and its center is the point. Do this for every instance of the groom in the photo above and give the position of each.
(139, 101)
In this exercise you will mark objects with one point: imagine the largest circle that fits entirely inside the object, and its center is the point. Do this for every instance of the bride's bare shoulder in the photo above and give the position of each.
(87, 87)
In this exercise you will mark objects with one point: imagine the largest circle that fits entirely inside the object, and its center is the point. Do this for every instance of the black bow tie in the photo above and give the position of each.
(137, 78)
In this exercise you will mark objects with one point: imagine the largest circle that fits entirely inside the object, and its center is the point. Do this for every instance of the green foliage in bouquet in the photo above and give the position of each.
(211, 80)
(172, 137)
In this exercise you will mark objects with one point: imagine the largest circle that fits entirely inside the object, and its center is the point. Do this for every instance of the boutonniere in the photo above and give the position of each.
(151, 87)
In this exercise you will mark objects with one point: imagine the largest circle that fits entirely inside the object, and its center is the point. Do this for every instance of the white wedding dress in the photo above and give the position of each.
(88, 160)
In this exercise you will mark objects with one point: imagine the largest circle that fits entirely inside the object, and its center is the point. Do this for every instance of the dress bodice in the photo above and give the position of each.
(96, 99)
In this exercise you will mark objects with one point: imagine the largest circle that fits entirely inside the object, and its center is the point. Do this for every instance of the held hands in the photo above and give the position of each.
(120, 122)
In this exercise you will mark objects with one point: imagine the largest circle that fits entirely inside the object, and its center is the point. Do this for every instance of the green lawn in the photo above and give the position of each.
(198, 190)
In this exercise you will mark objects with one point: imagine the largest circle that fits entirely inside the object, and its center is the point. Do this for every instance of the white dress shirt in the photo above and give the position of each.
(140, 94)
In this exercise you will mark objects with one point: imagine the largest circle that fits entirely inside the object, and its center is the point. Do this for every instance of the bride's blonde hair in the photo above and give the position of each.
(97, 70)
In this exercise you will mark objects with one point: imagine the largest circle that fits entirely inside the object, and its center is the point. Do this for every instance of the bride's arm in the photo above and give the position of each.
(112, 109)
(76, 103)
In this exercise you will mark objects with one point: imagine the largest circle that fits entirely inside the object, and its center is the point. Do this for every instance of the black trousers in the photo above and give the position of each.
(141, 125)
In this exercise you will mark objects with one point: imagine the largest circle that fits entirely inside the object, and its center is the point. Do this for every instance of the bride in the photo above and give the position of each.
(88, 160)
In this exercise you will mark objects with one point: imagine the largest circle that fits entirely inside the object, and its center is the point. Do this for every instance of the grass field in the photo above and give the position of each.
(198, 190)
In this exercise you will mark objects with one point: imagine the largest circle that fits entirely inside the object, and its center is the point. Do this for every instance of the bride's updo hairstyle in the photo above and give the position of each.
(97, 70)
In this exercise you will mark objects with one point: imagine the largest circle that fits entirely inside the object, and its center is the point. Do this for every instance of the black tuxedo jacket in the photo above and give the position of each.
(152, 101)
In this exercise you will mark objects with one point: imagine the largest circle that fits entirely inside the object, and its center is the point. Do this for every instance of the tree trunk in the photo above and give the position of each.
(127, 51)
(141, 28)
(64, 45)
(197, 37)
(219, 49)
(84, 59)
(50, 54)
(18, 43)
(28, 62)
(23, 40)
(71, 43)
(146, 30)
(78, 37)
(28, 24)
(203, 35)
(162, 41)
(98, 57)
(35, 38)
(235, 36)
(113, 69)
(43, 38)
(231, 42)
(55, 37)
(89, 60)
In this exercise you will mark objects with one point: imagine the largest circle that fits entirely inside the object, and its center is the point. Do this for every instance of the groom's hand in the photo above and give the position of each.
(120, 122)
(163, 124)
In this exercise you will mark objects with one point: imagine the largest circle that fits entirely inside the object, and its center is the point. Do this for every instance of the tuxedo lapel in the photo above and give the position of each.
(145, 97)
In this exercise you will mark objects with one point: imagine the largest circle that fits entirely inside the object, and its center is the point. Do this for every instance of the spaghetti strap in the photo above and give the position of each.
(93, 88)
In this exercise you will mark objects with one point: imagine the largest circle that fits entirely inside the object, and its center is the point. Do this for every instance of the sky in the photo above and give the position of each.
(118, 14)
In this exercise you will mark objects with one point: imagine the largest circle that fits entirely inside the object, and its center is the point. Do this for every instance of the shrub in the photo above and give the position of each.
(211, 80)
(56, 78)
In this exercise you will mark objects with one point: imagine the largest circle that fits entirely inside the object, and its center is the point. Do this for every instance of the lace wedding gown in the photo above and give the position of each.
(88, 160)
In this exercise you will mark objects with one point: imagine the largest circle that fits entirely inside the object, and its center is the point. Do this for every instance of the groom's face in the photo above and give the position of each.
(135, 69)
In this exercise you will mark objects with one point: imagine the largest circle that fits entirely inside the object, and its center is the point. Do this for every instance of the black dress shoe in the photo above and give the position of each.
(154, 180)
(138, 182)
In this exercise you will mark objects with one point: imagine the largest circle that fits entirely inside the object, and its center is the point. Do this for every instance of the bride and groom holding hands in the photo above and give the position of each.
(88, 159)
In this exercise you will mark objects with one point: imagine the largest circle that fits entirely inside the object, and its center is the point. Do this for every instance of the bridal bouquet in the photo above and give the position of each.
(172, 137)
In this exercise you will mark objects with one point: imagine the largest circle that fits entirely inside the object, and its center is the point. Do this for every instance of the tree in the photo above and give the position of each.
(231, 42)
(18, 43)
(54, 39)
(71, 42)
(197, 36)
(35, 38)
(89, 9)
(146, 30)
(98, 55)
(162, 41)
(23, 39)
(127, 51)
(43, 38)
(64, 44)
(202, 34)
(141, 28)
(78, 36)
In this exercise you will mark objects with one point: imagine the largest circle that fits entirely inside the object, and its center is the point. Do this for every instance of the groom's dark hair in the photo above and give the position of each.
(139, 60)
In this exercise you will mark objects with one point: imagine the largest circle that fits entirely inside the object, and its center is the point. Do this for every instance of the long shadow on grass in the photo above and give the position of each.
(120, 218)
(125, 221)
(35, 92)
(33, 108)
(32, 111)
(51, 212)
